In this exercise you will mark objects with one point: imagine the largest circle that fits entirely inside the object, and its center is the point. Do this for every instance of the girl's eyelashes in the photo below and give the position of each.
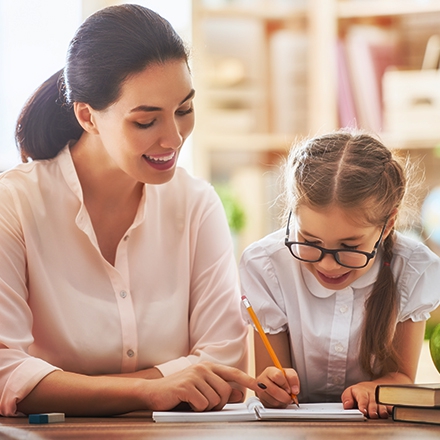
(342, 246)
(316, 243)
(303, 239)
(351, 248)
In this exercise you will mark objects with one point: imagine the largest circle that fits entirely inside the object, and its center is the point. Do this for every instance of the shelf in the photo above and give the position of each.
(258, 142)
(260, 12)
(238, 136)
(231, 93)
(381, 8)
(393, 141)
(262, 142)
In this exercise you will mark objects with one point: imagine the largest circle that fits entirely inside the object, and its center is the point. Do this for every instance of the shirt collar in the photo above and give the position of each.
(68, 169)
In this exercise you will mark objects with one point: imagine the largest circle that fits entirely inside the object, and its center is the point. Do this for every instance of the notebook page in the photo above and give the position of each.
(311, 411)
(232, 412)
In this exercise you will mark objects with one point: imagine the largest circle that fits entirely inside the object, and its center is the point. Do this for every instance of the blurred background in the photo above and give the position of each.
(267, 73)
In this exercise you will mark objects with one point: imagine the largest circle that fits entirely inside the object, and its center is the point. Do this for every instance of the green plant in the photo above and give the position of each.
(434, 346)
(233, 208)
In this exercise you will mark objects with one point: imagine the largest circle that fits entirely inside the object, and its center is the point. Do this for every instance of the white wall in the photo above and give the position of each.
(34, 36)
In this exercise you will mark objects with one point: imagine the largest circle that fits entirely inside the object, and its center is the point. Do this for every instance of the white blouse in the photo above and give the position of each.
(171, 299)
(324, 325)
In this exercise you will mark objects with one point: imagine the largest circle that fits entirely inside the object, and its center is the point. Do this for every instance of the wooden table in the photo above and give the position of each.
(136, 428)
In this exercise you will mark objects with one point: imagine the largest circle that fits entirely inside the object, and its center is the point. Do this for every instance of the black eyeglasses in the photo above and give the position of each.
(311, 253)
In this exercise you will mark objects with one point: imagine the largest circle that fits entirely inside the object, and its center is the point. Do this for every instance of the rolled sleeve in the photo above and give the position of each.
(21, 382)
(173, 366)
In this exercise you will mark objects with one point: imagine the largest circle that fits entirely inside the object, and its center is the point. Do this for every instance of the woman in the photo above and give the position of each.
(117, 273)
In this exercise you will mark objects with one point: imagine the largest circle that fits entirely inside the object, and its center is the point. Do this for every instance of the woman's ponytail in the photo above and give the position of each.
(45, 123)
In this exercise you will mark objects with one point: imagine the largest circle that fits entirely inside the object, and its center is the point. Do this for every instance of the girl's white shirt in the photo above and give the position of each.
(323, 324)
(171, 299)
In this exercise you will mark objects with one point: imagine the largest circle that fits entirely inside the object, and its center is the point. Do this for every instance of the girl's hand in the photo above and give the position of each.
(204, 386)
(362, 396)
(275, 389)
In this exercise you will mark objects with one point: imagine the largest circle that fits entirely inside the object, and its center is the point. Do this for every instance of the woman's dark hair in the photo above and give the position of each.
(108, 47)
(356, 172)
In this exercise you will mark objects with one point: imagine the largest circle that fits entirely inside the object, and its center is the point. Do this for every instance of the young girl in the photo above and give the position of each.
(117, 271)
(343, 296)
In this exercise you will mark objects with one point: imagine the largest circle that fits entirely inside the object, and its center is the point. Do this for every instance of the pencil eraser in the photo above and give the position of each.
(46, 418)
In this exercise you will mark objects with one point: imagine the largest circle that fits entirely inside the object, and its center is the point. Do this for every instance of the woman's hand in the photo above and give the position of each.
(275, 389)
(362, 396)
(204, 386)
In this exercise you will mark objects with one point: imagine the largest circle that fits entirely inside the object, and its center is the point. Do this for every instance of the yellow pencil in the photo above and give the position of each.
(265, 340)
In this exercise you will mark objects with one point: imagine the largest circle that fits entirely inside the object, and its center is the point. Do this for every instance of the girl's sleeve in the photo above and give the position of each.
(19, 372)
(261, 286)
(419, 284)
(217, 331)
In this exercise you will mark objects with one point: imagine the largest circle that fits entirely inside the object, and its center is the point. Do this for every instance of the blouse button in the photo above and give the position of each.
(338, 380)
(343, 309)
(130, 353)
(339, 348)
(123, 294)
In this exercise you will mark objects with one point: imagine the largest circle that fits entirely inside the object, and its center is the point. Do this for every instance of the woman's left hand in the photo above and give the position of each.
(362, 396)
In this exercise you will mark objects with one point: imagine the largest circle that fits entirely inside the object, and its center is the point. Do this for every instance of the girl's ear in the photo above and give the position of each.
(84, 115)
(390, 223)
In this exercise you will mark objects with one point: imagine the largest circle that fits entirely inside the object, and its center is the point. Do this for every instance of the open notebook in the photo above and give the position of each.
(253, 409)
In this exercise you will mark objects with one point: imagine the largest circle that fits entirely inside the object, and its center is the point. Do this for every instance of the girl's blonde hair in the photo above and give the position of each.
(356, 172)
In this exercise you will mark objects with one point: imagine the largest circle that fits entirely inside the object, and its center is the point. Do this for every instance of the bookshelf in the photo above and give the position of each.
(244, 103)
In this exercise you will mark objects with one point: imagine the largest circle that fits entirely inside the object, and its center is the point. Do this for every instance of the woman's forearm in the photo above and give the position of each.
(149, 373)
(203, 386)
(76, 394)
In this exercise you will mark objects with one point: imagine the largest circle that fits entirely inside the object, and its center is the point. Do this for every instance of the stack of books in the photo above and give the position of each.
(419, 403)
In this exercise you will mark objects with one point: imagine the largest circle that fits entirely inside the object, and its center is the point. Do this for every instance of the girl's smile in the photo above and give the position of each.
(335, 280)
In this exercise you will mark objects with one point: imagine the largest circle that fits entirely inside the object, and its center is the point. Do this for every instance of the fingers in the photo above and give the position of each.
(275, 388)
(348, 401)
(293, 380)
(206, 386)
(363, 398)
(376, 411)
(231, 374)
(213, 389)
(354, 397)
(236, 396)
(383, 411)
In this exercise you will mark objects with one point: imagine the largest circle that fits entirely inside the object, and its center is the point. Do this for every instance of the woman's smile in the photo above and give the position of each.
(161, 161)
